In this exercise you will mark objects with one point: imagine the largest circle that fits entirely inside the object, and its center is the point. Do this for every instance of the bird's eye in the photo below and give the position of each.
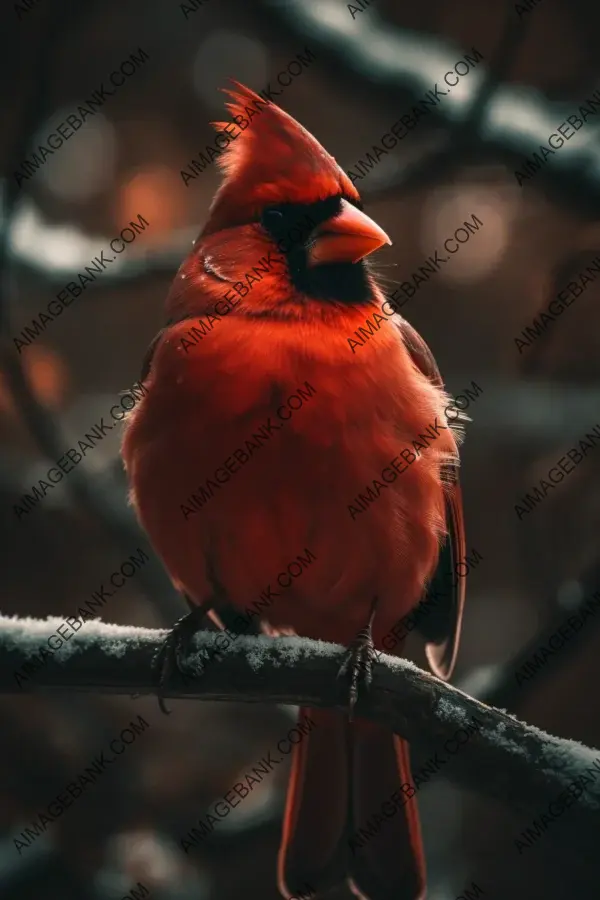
(272, 217)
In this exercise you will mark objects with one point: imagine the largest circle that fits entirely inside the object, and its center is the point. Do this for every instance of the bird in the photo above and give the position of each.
(268, 300)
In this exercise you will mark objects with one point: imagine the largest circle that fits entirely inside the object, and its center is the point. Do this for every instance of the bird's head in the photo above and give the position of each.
(284, 195)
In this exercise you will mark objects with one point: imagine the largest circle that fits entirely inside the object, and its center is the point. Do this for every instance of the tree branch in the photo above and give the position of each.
(502, 757)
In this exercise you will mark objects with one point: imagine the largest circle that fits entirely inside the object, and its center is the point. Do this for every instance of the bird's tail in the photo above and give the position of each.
(386, 852)
(314, 848)
(351, 813)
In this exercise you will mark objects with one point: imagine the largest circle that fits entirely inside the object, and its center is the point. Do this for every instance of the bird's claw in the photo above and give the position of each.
(170, 656)
(359, 662)
(163, 663)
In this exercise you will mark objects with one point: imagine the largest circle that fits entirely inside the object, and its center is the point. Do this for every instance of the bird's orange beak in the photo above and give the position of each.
(347, 237)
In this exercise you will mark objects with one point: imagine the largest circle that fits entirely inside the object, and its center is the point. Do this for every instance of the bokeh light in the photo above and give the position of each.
(157, 193)
(447, 209)
(84, 165)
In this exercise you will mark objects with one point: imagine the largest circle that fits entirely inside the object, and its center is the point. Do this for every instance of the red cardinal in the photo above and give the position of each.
(208, 394)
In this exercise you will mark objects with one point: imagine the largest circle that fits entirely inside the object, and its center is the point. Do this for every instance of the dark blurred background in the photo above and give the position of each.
(371, 65)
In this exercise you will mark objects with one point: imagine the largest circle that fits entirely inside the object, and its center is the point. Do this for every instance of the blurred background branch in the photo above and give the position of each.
(487, 119)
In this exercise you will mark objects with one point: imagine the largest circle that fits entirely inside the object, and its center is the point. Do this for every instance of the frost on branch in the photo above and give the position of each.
(486, 749)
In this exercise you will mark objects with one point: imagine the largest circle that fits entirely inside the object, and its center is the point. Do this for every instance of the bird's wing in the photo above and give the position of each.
(445, 594)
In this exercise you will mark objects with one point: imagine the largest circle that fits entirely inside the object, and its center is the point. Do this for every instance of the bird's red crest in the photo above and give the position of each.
(270, 159)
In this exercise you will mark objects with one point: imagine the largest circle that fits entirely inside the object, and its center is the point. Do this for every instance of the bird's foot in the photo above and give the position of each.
(173, 650)
(358, 662)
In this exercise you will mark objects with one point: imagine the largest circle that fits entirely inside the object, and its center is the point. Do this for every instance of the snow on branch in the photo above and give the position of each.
(476, 746)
